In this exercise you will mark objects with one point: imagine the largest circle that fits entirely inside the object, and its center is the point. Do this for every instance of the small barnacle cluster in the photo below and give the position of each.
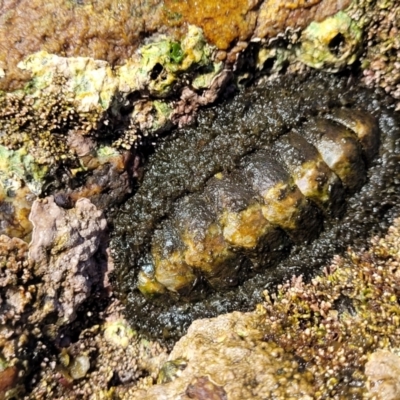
(331, 44)
(334, 322)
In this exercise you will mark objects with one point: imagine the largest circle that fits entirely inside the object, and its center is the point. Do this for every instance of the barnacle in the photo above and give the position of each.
(162, 62)
(331, 44)
(222, 204)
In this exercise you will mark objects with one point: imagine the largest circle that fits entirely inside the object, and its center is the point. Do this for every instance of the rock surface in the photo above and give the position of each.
(227, 358)
(383, 372)
(112, 32)
(40, 292)
(62, 249)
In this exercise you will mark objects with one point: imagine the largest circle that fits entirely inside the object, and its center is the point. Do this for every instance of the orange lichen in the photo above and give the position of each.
(222, 22)
(226, 22)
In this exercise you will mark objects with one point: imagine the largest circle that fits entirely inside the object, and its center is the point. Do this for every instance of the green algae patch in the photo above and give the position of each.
(331, 44)
(18, 164)
(161, 63)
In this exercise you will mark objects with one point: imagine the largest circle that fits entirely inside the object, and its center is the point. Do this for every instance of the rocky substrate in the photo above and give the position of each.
(335, 337)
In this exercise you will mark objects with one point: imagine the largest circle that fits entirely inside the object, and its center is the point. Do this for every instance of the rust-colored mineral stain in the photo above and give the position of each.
(8, 378)
(222, 22)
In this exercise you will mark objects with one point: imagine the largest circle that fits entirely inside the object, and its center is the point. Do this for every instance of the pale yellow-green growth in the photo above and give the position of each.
(158, 66)
(91, 82)
(331, 44)
(18, 165)
(119, 333)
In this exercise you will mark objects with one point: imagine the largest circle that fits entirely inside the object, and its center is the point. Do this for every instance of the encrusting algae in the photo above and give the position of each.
(110, 31)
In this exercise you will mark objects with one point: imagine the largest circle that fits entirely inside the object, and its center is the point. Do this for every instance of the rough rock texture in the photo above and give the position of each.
(96, 69)
(383, 372)
(62, 248)
(45, 147)
(118, 358)
(295, 14)
(21, 34)
(331, 44)
(40, 292)
(105, 30)
(229, 357)
(322, 339)
(381, 66)
(17, 291)
(222, 22)
(110, 31)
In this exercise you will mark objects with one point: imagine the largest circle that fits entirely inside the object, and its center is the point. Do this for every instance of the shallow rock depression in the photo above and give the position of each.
(270, 184)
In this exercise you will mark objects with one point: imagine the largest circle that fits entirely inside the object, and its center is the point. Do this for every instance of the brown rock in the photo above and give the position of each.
(227, 358)
(222, 22)
(8, 379)
(105, 30)
(203, 389)
(113, 31)
(62, 248)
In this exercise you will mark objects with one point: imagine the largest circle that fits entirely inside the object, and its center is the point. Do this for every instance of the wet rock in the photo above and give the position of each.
(8, 381)
(118, 333)
(79, 366)
(17, 295)
(43, 284)
(102, 30)
(380, 63)
(274, 15)
(202, 388)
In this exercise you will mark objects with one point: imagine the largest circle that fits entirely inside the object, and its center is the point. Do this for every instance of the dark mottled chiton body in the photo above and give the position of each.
(273, 182)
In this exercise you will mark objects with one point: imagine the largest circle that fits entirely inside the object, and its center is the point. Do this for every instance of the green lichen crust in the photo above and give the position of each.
(253, 120)
(331, 44)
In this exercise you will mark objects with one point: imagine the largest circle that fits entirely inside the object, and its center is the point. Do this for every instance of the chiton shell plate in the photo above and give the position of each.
(271, 183)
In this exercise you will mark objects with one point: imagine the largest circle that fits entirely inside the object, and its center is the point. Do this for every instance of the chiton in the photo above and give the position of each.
(271, 183)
